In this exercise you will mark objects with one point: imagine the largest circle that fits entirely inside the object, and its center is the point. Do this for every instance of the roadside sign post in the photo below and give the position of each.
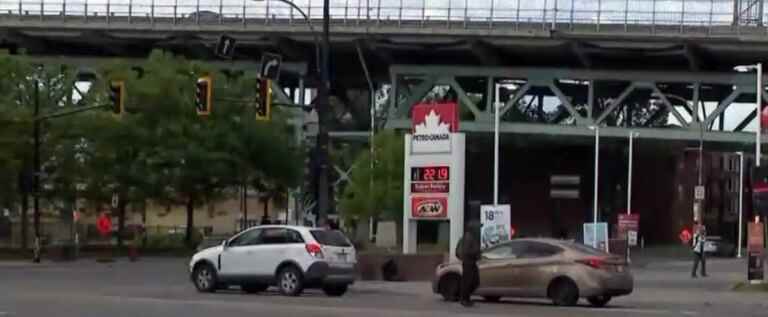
(104, 226)
(755, 251)
(629, 226)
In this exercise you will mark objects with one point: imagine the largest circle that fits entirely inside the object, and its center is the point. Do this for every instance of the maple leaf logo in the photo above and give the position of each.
(432, 125)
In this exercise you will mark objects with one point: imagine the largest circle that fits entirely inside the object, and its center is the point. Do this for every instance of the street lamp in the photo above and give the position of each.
(323, 105)
(597, 175)
(758, 104)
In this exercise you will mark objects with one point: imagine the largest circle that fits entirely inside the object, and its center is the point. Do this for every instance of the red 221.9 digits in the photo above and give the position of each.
(431, 174)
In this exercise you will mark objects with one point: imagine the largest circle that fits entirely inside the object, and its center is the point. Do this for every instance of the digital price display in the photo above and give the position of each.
(430, 174)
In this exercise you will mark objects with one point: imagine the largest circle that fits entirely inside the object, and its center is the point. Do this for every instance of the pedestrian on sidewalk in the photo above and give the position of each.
(699, 239)
(468, 251)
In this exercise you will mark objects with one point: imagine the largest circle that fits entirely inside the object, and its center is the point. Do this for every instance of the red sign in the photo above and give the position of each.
(764, 119)
(755, 239)
(104, 225)
(430, 187)
(433, 115)
(685, 236)
(429, 207)
(628, 222)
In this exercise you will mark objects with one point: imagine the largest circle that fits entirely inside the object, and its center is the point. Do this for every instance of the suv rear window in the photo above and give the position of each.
(332, 238)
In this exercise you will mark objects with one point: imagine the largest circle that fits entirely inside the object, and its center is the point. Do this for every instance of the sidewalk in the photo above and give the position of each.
(408, 289)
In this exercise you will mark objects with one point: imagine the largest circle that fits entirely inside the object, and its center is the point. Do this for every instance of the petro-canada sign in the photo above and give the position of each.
(432, 125)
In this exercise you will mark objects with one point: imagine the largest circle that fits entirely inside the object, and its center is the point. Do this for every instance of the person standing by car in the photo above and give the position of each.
(469, 253)
(699, 239)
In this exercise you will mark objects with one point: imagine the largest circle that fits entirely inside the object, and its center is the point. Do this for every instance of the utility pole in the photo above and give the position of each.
(36, 176)
(323, 112)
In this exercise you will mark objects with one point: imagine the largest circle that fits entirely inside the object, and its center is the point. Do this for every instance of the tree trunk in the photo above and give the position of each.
(265, 215)
(190, 221)
(121, 206)
(24, 219)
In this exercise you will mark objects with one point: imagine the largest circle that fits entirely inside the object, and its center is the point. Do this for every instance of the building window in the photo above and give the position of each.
(734, 206)
(730, 185)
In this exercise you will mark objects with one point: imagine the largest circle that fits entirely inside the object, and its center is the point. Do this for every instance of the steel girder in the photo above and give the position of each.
(617, 101)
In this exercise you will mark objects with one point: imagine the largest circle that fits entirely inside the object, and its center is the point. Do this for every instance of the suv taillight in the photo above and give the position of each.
(593, 263)
(314, 250)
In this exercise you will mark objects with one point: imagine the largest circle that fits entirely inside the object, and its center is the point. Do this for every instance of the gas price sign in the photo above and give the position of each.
(430, 174)
(430, 179)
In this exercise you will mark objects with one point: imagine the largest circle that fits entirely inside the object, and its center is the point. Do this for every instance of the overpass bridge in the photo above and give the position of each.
(665, 66)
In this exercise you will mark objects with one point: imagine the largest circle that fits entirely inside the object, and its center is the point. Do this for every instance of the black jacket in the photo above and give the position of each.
(468, 248)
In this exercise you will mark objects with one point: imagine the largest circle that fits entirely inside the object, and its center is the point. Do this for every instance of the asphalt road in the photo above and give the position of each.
(161, 287)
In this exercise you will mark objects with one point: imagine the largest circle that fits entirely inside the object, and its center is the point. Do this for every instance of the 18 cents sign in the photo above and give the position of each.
(496, 225)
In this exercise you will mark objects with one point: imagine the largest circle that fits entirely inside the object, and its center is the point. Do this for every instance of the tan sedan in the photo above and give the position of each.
(563, 271)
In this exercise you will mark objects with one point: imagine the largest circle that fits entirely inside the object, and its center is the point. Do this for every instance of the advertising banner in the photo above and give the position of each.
(629, 226)
(602, 235)
(496, 225)
(429, 207)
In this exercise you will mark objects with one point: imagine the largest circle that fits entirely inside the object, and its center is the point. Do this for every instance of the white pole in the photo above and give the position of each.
(497, 106)
(741, 202)
(629, 181)
(758, 103)
(629, 172)
(597, 175)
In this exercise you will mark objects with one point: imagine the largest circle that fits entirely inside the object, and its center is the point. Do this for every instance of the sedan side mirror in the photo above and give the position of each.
(224, 244)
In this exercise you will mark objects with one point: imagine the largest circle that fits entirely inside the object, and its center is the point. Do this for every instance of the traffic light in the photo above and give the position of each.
(117, 96)
(263, 102)
(203, 95)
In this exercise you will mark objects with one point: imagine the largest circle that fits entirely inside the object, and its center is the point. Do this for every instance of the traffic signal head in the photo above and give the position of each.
(117, 96)
(263, 102)
(203, 95)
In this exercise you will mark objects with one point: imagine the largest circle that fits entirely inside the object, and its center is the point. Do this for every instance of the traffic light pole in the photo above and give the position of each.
(36, 175)
(323, 111)
(38, 119)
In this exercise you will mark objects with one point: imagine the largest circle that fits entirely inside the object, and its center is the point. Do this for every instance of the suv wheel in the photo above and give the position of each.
(290, 282)
(335, 290)
(205, 278)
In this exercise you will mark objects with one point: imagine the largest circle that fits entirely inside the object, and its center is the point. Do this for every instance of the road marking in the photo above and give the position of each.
(638, 311)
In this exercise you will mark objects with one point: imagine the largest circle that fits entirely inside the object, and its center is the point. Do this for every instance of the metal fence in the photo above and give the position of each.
(485, 13)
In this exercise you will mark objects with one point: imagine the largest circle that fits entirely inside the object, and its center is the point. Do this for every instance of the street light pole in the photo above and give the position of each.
(496, 115)
(758, 105)
(758, 108)
(741, 203)
(322, 107)
(597, 177)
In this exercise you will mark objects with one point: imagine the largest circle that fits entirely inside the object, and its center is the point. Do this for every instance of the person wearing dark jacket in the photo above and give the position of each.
(469, 253)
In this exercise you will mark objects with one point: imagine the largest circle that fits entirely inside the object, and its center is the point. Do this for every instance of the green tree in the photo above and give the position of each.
(383, 200)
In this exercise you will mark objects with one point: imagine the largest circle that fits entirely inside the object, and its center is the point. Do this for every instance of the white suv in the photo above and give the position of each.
(289, 257)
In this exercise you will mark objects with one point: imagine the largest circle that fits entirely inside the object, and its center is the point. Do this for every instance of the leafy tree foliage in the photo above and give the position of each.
(385, 198)
(159, 150)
